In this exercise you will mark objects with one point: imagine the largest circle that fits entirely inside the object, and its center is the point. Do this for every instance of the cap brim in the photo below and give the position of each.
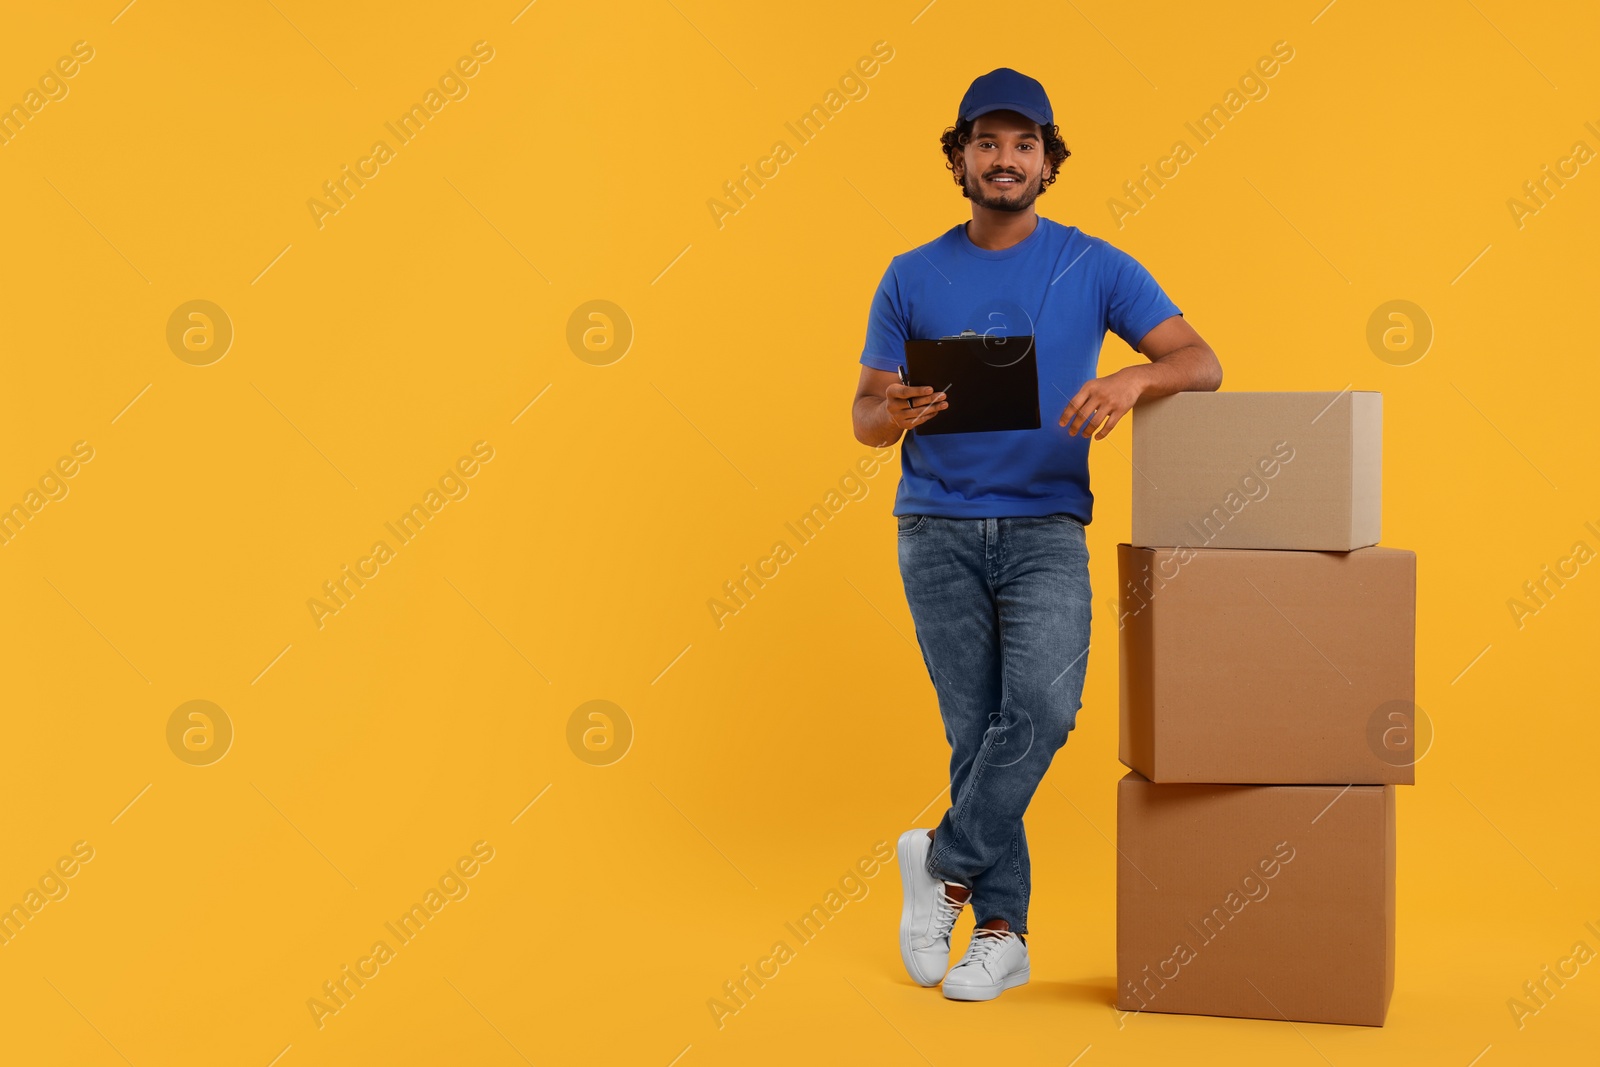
(1021, 109)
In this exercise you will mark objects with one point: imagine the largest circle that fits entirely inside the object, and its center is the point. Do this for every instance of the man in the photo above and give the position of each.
(992, 550)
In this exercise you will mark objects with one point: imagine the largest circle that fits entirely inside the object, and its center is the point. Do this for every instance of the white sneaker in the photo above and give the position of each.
(996, 961)
(927, 914)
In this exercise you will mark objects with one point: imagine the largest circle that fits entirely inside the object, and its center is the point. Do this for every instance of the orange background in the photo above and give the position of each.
(759, 760)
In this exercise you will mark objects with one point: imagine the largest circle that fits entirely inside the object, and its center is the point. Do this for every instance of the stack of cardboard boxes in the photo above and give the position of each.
(1267, 681)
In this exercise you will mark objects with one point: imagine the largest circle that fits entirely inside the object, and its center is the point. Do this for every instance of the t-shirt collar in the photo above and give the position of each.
(1002, 253)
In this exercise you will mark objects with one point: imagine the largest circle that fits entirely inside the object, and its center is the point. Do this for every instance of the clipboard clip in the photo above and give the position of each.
(958, 336)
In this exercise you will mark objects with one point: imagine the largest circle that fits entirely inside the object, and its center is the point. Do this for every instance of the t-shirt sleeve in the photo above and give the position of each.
(1136, 304)
(886, 326)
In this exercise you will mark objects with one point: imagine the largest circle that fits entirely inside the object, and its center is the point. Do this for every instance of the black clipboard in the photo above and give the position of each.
(992, 382)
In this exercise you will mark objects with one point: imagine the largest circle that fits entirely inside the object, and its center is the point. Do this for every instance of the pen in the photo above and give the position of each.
(905, 380)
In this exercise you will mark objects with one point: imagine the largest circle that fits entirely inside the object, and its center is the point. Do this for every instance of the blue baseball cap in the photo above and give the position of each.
(1004, 89)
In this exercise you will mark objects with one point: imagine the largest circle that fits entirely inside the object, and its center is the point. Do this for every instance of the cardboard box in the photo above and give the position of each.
(1258, 470)
(1246, 666)
(1262, 902)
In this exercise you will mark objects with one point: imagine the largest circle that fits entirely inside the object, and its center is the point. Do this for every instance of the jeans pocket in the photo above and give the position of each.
(909, 524)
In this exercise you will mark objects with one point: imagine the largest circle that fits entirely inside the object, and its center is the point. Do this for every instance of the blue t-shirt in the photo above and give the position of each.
(1058, 283)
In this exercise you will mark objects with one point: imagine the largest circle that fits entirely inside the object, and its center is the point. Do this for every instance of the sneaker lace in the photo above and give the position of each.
(945, 912)
(986, 943)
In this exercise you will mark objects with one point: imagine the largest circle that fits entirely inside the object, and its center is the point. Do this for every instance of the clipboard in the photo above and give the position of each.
(992, 382)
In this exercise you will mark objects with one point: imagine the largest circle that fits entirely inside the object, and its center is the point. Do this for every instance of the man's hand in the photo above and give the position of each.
(910, 406)
(1103, 401)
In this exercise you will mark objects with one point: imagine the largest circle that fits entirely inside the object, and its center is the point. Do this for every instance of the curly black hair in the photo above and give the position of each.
(955, 138)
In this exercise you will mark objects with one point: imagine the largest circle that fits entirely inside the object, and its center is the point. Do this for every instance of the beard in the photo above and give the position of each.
(1020, 198)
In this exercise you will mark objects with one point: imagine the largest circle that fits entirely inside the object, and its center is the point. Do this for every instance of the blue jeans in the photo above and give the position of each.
(1002, 611)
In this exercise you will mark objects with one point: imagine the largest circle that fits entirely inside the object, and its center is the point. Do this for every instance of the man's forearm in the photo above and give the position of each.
(873, 426)
(1191, 368)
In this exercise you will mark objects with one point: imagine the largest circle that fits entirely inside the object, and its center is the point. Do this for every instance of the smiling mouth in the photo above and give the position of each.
(1005, 180)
